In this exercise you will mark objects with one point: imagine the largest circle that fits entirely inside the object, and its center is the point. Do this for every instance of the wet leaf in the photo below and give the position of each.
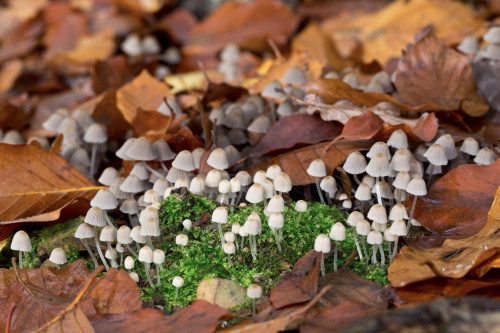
(457, 205)
(43, 186)
(456, 257)
(284, 134)
(431, 73)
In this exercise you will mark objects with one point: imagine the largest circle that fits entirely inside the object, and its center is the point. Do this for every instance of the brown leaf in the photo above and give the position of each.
(200, 317)
(457, 205)
(65, 27)
(106, 112)
(455, 258)
(110, 74)
(486, 75)
(294, 131)
(12, 116)
(73, 321)
(91, 48)
(295, 162)
(221, 92)
(9, 73)
(432, 73)
(43, 185)
(178, 25)
(150, 122)
(144, 92)
(247, 24)
(294, 289)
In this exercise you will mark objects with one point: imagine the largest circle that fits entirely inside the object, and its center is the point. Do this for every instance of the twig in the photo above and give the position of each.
(204, 71)
(349, 260)
(12, 307)
(172, 114)
(275, 48)
(28, 289)
(76, 300)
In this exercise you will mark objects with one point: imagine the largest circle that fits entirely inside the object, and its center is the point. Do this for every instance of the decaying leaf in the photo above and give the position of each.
(92, 48)
(458, 203)
(43, 186)
(429, 72)
(455, 258)
(9, 73)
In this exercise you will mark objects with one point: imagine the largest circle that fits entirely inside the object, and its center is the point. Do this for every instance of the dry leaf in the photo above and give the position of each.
(73, 321)
(92, 48)
(104, 110)
(9, 73)
(64, 27)
(432, 73)
(458, 203)
(43, 185)
(455, 258)
(110, 74)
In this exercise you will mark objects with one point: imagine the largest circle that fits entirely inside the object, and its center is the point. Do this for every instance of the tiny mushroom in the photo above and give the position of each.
(177, 282)
(254, 292)
(337, 234)
(58, 257)
(146, 257)
(322, 245)
(317, 169)
(21, 242)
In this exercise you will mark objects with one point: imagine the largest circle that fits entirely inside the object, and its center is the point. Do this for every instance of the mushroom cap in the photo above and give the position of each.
(218, 159)
(150, 227)
(398, 228)
(235, 228)
(181, 182)
(111, 253)
(363, 227)
(187, 224)
(96, 133)
(224, 186)
(252, 226)
(236, 136)
(123, 235)
(377, 213)
(378, 166)
(108, 175)
(244, 178)
(398, 212)
(374, 86)
(255, 193)
(269, 90)
(469, 45)
(148, 212)
(129, 263)
(485, 156)
(363, 192)
(260, 124)
(131, 45)
(317, 168)
(134, 276)
(436, 155)
(95, 217)
(328, 184)
(492, 51)
(229, 236)
(197, 154)
(415, 223)
(197, 185)
(132, 184)
(282, 182)
(493, 35)
(354, 218)
(388, 236)
(322, 244)
(369, 180)
(168, 191)
(129, 206)
(213, 178)
(276, 204)
(163, 151)
(177, 281)
(160, 185)
(351, 80)
(446, 141)
(181, 240)
(379, 147)
(398, 139)
(385, 190)
(150, 45)
(276, 221)
(400, 195)
(374, 237)
(285, 109)
(107, 234)
(337, 233)
(80, 157)
(175, 174)
(84, 231)
(259, 177)
(135, 234)
(21, 242)
(401, 181)
(219, 215)
(301, 206)
(140, 170)
(355, 163)
(254, 291)
(119, 248)
(158, 257)
(416, 166)
(233, 155)
(347, 204)
(470, 146)
(146, 254)
(401, 160)
(295, 75)
(379, 226)
(273, 171)
(54, 120)
(120, 153)
(235, 185)
(268, 188)
(184, 161)
(58, 256)
(115, 189)
(417, 186)
(140, 150)
(229, 248)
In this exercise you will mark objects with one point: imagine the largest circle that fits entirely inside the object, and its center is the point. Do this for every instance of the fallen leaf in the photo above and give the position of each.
(92, 48)
(43, 186)
(457, 205)
(249, 25)
(12, 116)
(73, 321)
(64, 27)
(150, 122)
(429, 72)
(201, 317)
(144, 92)
(222, 92)
(105, 111)
(293, 131)
(456, 257)
(178, 25)
(386, 32)
(9, 73)
(486, 75)
(295, 162)
(110, 74)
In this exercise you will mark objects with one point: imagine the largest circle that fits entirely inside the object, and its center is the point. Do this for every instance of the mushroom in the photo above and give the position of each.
(181, 182)
(95, 134)
(436, 155)
(276, 223)
(300, 206)
(398, 139)
(163, 152)
(389, 238)
(245, 180)
(197, 186)
(158, 260)
(95, 217)
(136, 236)
(108, 176)
(282, 183)
(485, 156)
(322, 245)
(417, 188)
(375, 238)
(123, 237)
(317, 169)
(255, 194)
(58, 257)
(254, 292)
(470, 146)
(352, 221)
(134, 276)
(120, 249)
(337, 234)
(252, 228)
(146, 257)
(398, 228)
(83, 233)
(377, 214)
(182, 240)
(363, 228)
(130, 207)
(141, 150)
(129, 263)
(150, 228)
(329, 185)
(378, 167)
(235, 186)
(219, 216)
(21, 242)
(218, 159)
(469, 46)
(177, 282)
(446, 141)
(108, 235)
(224, 189)
(273, 171)
(364, 195)
(272, 92)
(355, 164)
(229, 249)
(105, 200)
(235, 229)
(112, 255)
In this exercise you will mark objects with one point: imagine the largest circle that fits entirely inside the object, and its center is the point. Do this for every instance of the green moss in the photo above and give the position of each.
(204, 258)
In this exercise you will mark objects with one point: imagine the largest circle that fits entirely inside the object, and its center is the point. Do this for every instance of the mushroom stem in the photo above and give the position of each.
(176, 293)
(382, 255)
(146, 268)
(93, 161)
(277, 239)
(233, 199)
(164, 167)
(356, 179)
(389, 249)
(322, 264)
(363, 207)
(273, 110)
(243, 188)
(316, 181)
(114, 264)
(20, 259)
(255, 207)
(150, 169)
(108, 220)
(253, 247)
(374, 254)
(94, 260)
(242, 242)
(150, 242)
(229, 260)
(158, 270)
(412, 210)
(121, 258)
(221, 235)
(98, 245)
(356, 241)
(431, 174)
(300, 216)
(131, 250)
(253, 307)
(335, 254)
(377, 188)
(363, 244)
(26, 259)
(395, 250)
(137, 247)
